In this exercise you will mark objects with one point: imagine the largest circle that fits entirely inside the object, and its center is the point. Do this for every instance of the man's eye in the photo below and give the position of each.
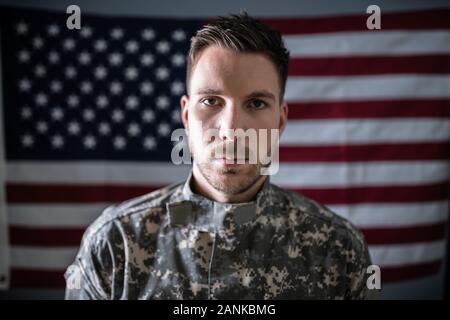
(257, 104)
(210, 102)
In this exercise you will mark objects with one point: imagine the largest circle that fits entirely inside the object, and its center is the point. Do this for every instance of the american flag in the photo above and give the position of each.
(88, 114)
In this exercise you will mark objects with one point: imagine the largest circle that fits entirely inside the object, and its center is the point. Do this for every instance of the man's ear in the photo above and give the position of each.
(284, 110)
(184, 102)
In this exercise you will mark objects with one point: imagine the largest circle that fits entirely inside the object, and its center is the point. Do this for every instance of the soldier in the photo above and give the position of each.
(226, 232)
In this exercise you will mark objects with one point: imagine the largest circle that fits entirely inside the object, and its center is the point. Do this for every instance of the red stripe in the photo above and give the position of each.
(388, 194)
(54, 193)
(413, 20)
(405, 235)
(70, 237)
(54, 279)
(42, 279)
(26, 193)
(416, 108)
(416, 271)
(46, 237)
(344, 66)
(372, 152)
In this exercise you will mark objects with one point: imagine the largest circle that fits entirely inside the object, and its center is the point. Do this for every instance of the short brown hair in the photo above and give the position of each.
(241, 33)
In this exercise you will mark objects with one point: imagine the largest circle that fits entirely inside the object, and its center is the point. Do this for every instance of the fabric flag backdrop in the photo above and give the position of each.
(88, 114)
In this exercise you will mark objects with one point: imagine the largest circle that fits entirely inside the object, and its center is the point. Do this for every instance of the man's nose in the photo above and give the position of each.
(231, 119)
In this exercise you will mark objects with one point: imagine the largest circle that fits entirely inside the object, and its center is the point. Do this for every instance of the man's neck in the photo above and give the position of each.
(201, 186)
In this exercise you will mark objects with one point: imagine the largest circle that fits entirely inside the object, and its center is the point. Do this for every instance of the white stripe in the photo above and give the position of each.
(42, 258)
(378, 87)
(392, 255)
(48, 215)
(391, 215)
(290, 174)
(369, 43)
(330, 132)
(135, 173)
(382, 173)
(318, 174)
(398, 255)
(362, 215)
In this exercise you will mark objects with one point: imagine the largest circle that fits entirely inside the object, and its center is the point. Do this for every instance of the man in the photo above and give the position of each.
(226, 232)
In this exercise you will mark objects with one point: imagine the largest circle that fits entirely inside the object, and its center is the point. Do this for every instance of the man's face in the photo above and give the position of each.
(228, 91)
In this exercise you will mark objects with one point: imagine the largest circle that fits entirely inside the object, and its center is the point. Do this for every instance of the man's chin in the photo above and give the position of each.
(230, 179)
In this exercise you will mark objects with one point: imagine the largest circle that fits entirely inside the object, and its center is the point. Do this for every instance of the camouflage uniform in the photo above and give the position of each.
(174, 244)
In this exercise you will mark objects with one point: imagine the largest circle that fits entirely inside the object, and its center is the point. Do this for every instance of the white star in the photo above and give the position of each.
(146, 87)
(163, 129)
(178, 35)
(25, 113)
(74, 128)
(163, 46)
(162, 102)
(86, 32)
(41, 99)
(41, 127)
(40, 71)
(23, 56)
(117, 115)
(120, 142)
(115, 58)
(27, 140)
(57, 141)
(100, 72)
(53, 30)
(57, 114)
(162, 73)
(86, 87)
(177, 88)
(131, 102)
(115, 87)
(116, 33)
(38, 42)
(24, 84)
(102, 101)
(69, 44)
(176, 117)
(131, 73)
(148, 115)
(53, 57)
(148, 34)
(70, 72)
(89, 142)
(132, 46)
(149, 143)
(84, 58)
(178, 59)
(104, 128)
(88, 115)
(147, 59)
(73, 101)
(134, 129)
(21, 28)
(100, 45)
(55, 86)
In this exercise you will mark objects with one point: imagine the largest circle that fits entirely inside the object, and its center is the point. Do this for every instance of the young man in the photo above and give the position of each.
(226, 232)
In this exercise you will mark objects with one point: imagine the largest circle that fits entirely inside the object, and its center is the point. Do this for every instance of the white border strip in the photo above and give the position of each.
(378, 87)
(368, 43)
(314, 175)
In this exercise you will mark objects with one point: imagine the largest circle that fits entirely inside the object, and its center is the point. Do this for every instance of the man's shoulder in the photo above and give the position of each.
(308, 213)
(133, 210)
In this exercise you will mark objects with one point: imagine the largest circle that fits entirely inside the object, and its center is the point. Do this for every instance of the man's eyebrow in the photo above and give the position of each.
(208, 91)
(261, 94)
(255, 94)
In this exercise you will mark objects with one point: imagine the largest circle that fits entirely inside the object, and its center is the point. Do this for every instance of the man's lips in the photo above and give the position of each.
(231, 161)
